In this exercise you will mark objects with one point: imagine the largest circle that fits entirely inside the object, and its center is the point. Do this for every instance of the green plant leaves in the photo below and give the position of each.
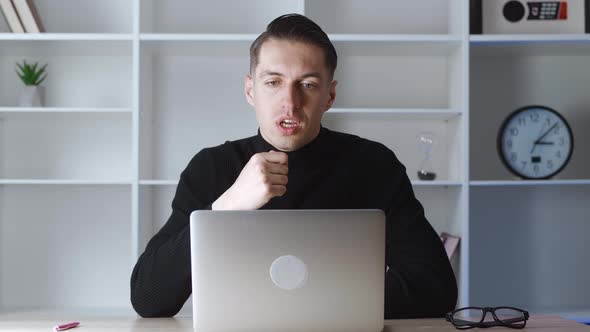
(29, 74)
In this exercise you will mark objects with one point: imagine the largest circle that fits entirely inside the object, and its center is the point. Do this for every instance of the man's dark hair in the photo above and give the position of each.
(295, 27)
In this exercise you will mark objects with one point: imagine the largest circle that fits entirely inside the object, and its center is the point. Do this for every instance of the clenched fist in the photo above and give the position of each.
(263, 177)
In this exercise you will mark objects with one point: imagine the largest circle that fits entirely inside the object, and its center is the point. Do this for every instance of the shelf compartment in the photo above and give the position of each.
(500, 85)
(181, 107)
(225, 16)
(69, 266)
(65, 147)
(401, 136)
(63, 16)
(421, 75)
(528, 247)
(76, 80)
(442, 207)
(197, 46)
(383, 16)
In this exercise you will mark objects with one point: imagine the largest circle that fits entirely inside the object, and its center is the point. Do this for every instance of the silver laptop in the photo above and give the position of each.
(288, 270)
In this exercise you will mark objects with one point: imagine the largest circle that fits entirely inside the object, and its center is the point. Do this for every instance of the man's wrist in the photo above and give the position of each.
(217, 205)
(221, 202)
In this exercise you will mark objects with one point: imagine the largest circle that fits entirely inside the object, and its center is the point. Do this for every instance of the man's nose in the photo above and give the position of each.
(292, 98)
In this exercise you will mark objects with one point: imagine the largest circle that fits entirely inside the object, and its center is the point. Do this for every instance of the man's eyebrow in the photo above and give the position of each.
(306, 75)
(269, 73)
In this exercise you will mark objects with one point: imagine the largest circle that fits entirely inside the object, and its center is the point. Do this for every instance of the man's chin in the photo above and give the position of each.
(287, 144)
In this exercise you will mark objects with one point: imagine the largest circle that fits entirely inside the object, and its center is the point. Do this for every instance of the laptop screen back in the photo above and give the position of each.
(279, 270)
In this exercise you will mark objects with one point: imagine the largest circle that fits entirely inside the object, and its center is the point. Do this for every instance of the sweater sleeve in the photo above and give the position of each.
(161, 279)
(420, 281)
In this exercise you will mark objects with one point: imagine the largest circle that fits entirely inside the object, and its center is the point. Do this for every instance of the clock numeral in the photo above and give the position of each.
(536, 168)
(522, 121)
(556, 130)
(558, 154)
(535, 117)
(550, 164)
(514, 131)
(548, 121)
(513, 156)
(561, 141)
(509, 143)
(523, 164)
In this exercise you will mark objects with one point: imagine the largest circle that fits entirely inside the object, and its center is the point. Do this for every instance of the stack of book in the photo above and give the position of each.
(451, 243)
(21, 16)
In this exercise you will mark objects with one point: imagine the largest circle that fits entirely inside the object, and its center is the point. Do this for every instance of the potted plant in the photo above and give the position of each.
(32, 76)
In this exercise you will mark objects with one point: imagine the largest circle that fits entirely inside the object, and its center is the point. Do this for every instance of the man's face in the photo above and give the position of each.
(290, 90)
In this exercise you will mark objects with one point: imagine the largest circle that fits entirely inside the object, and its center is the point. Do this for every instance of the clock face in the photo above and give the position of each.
(535, 142)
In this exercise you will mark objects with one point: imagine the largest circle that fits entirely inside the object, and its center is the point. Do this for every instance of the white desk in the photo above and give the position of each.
(44, 321)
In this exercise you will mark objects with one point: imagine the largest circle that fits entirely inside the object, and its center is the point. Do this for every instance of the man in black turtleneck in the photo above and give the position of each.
(295, 163)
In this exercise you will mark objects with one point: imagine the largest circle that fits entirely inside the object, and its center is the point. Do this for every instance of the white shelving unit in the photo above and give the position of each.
(136, 88)
(528, 238)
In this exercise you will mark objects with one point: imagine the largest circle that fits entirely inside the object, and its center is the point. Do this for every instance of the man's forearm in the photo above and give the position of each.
(419, 292)
(161, 279)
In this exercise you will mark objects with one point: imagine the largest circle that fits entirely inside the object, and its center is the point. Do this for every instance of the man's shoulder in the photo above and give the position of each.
(360, 145)
(224, 152)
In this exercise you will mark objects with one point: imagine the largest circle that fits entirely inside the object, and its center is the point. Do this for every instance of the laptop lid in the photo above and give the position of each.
(295, 270)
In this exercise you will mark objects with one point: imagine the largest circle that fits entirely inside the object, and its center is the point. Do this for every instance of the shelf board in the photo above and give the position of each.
(67, 36)
(414, 183)
(436, 183)
(523, 183)
(63, 182)
(67, 45)
(529, 45)
(158, 182)
(229, 37)
(404, 38)
(64, 110)
(530, 38)
(346, 44)
(409, 113)
(197, 37)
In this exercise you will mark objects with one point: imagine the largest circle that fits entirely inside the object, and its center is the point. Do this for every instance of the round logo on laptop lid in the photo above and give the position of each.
(288, 272)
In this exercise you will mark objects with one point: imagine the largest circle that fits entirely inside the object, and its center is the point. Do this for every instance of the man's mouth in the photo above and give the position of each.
(287, 123)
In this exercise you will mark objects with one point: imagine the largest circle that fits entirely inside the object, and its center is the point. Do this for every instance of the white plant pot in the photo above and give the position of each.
(32, 96)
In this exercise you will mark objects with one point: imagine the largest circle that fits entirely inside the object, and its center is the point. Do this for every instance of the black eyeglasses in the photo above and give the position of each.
(470, 317)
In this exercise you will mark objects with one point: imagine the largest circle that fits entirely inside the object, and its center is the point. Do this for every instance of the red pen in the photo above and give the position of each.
(66, 326)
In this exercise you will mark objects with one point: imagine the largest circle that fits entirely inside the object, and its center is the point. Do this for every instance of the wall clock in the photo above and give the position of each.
(535, 142)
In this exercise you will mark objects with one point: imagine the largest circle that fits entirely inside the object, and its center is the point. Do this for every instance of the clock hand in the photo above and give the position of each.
(547, 132)
(540, 143)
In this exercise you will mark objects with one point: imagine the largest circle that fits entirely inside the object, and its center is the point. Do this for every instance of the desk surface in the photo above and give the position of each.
(44, 321)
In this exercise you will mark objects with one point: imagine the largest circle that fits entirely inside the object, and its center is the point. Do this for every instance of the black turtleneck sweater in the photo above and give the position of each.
(334, 171)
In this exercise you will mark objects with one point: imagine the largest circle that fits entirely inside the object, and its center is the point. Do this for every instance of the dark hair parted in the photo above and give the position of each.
(295, 27)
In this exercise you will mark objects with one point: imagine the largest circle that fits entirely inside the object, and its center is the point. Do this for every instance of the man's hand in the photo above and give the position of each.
(263, 177)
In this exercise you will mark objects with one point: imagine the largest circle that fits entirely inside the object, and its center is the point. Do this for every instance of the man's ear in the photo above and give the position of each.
(248, 89)
(332, 95)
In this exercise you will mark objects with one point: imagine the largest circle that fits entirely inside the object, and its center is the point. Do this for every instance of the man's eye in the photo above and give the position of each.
(308, 86)
(272, 83)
